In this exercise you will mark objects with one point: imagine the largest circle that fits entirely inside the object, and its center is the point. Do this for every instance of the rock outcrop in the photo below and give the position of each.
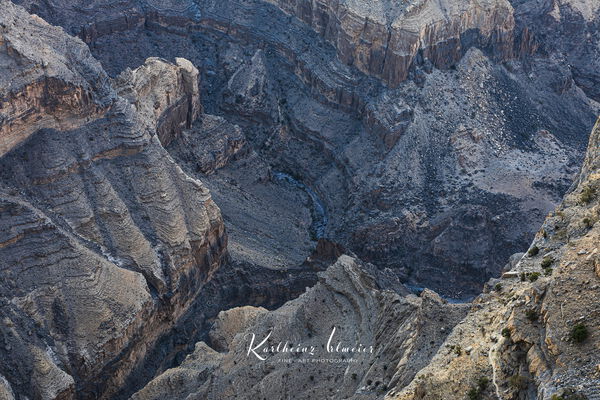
(435, 136)
(387, 39)
(48, 80)
(384, 339)
(165, 95)
(210, 144)
(533, 334)
(461, 150)
(105, 242)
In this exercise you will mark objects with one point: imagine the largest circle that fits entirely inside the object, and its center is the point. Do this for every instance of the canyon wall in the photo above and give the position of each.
(105, 241)
(532, 334)
(387, 39)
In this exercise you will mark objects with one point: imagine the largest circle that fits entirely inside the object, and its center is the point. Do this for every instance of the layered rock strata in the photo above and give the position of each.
(105, 241)
(47, 82)
(386, 39)
(403, 330)
(165, 95)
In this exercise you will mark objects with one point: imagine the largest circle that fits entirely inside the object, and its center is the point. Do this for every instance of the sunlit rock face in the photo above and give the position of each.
(386, 39)
(532, 333)
(105, 240)
(392, 335)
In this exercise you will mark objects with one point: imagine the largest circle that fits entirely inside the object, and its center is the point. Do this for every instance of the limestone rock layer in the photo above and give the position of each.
(386, 39)
(105, 242)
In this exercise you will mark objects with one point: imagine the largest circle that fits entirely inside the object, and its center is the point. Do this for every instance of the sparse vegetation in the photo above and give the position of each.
(533, 251)
(498, 287)
(588, 223)
(518, 382)
(457, 350)
(547, 271)
(505, 332)
(476, 391)
(533, 276)
(523, 277)
(482, 383)
(473, 394)
(531, 315)
(587, 194)
(547, 261)
(569, 394)
(579, 333)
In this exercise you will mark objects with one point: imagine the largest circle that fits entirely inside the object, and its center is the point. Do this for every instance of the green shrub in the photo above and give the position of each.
(505, 332)
(588, 222)
(547, 271)
(518, 382)
(547, 261)
(473, 394)
(523, 277)
(533, 276)
(579, 333)
(482, 383)
(498, 287)
(533, 251)
(458, 350)
(587, 194)
(531, 315)
(476, 391)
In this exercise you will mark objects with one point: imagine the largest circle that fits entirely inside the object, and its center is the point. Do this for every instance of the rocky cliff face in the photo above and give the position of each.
(165, 96)
(533, 333)
(46, 82)
(428, 138)
(389, 39)
(105, 240)
(414, 144)
(360, 306)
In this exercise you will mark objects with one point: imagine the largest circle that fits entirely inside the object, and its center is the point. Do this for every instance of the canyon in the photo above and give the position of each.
(178, 174)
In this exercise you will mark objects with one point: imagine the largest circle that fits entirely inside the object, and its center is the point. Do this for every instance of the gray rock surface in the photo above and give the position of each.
(521, 335)
(465, 120)
(434, 135)
(105, 242)
(404, 331)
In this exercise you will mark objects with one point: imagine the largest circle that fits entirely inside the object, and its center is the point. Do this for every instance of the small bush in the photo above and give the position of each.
(579, 333)
(498, 287)
(458, 350)
(482, 383)
(547, 261)
(518, 382)
(531, 315)
(533, 276)
(588, 222)
(473, 394)
(476, 391)
(568, 394)
(506, 332)
(533, 251)
(587, 194)
(523, 277)
(547, 271)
